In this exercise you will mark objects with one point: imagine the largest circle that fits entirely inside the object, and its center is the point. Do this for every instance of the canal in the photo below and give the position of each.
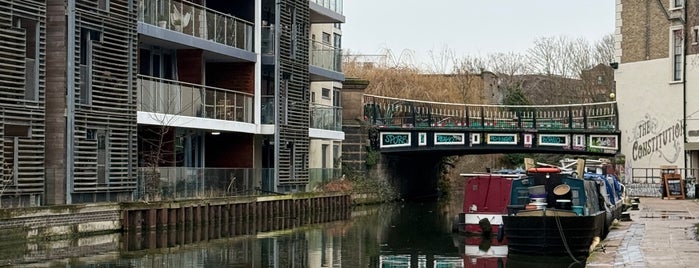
(409, 234)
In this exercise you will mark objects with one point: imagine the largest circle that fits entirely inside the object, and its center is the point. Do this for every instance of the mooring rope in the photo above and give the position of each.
(563, 237)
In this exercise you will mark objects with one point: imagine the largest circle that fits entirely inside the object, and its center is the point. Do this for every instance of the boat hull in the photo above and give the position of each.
(539, 235)
(469, 223)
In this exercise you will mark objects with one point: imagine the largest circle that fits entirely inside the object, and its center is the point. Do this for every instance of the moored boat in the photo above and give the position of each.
(575, 215)
(486, 197)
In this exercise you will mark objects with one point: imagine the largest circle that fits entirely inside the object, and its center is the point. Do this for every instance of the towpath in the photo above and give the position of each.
(661, 233)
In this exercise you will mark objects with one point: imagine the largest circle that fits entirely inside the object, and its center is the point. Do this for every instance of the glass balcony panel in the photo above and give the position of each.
(179, 98)
(334, 5)
(267, 110)
(326, 117)
(325, 56)
(268, 40)
(178, 183)
(198, 21)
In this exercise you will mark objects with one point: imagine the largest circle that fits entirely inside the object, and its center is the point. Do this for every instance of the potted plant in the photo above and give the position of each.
(162, 21)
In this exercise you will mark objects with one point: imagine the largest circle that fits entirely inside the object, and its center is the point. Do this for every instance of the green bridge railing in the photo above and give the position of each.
(403, 113)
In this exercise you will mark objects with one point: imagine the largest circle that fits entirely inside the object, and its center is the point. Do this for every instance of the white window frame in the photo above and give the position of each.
(672, 55)
(676, 4)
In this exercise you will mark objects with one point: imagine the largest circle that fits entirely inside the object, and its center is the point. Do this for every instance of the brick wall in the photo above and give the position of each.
(229, 150)
(231, 75)
(190, 62)
(645, 30)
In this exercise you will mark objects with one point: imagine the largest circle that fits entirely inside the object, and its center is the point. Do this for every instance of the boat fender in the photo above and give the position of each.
(501, 233)
(486, 227)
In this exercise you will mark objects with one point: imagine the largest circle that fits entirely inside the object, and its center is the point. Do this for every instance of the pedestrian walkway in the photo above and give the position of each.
(661, 233)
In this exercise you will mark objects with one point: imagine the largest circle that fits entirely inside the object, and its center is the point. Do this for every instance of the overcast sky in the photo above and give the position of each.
(469, 27)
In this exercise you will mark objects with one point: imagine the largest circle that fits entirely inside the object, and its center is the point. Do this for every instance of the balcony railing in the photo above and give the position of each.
(334, 5)
(164, 96)
(198, 21)
(325, 56)
(326, 117)
(268, 40)
(173, 183)
(267, 109)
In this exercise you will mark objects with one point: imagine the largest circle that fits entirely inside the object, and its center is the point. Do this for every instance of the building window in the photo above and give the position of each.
(337, 25)
(600, 80)
(102, 157)
(325, 93)
(31, 66)
(695, 35)
(10, 165)
(326, 38)
(677, 53)
(677, 3)
(313, 97)
(87, 39)
(336, 97)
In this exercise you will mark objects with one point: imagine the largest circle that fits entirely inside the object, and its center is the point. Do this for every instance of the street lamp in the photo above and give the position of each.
(612, 96)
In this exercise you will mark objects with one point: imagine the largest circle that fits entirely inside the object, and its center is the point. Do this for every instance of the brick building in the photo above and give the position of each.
(657, 82)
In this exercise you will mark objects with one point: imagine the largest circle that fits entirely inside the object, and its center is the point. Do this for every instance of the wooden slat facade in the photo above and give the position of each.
(112, 108)
(22, 101)
(294, 61)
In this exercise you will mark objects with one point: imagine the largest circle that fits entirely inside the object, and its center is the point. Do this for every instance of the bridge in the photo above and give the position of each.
(413, 126)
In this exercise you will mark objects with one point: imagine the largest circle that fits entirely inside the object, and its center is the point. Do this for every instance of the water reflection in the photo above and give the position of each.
(386, 236)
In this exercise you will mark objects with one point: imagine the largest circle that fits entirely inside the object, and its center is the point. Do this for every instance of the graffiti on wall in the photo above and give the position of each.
(649, 138)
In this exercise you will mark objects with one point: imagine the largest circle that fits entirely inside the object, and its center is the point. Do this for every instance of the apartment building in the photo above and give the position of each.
(657, 82)
(115, 100)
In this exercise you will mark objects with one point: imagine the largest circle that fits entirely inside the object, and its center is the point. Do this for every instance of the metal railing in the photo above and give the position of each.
(326, 117)
(325, 56)
(173, 183)
(395, 112)
(321, 176)
(165, 96)
(334, 5)
(198, 21)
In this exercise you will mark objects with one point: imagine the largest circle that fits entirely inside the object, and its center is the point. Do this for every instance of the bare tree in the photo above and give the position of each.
(604, 50)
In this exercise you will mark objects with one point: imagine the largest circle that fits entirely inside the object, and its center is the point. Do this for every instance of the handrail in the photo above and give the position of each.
(147, 77)
(493, 105)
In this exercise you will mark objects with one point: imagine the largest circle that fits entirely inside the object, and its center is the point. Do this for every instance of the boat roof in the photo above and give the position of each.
(492, 175)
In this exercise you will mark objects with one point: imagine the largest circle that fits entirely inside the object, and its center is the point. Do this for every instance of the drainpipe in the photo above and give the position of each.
(277, 80)
(684, 81)
(70, 98)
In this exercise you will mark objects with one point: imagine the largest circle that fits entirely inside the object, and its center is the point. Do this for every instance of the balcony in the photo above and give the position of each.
(198, 21)
(326, 56)
(326, 117)
(164, 96)
(334, 5)
(267, 109)
(267, 40)
(326, 11)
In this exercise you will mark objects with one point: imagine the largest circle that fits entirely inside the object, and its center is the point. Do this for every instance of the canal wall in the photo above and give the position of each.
(57, 222)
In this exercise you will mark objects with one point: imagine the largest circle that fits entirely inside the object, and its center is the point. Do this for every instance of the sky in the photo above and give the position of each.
(468, 27)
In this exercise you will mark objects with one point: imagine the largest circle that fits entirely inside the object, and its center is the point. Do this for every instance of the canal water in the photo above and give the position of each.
(391, 235)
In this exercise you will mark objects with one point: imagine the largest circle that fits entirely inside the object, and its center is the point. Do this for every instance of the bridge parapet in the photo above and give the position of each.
(394, 112)
(590, 128)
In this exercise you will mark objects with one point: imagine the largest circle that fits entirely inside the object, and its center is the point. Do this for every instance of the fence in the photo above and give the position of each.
(173, 183)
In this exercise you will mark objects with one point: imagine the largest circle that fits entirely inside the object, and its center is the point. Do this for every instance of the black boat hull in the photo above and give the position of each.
(539, 235)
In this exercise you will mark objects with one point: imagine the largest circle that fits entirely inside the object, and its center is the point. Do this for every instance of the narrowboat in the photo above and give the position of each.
(555, 213)
(486, 197)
